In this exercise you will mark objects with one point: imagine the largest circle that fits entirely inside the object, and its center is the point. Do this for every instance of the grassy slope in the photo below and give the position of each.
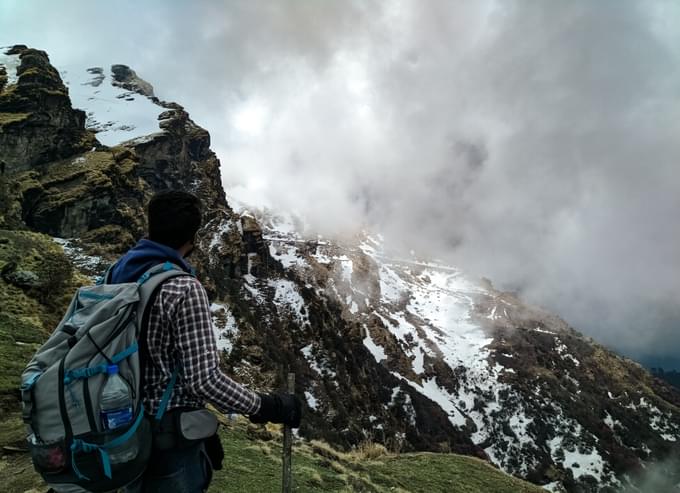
(254, 465)
(25, 322)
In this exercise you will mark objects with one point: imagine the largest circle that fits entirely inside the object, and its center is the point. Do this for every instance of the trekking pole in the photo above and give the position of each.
(288, 445)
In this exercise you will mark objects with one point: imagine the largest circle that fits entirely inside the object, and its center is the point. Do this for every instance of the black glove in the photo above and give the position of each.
(279, 408)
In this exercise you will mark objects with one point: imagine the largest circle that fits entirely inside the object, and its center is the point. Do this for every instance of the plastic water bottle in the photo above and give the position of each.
(115, 401)
(116, 411)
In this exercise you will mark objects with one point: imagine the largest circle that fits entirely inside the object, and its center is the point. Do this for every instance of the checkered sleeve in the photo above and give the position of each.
(200, 358)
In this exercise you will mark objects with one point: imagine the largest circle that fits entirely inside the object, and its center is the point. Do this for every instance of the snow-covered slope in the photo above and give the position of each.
(514, 378)
(115, 113)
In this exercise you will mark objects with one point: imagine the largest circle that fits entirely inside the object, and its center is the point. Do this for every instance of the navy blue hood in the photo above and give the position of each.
(140, 258)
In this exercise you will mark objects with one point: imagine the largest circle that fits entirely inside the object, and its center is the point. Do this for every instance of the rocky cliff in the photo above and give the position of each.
(403, 352)
(37, 122)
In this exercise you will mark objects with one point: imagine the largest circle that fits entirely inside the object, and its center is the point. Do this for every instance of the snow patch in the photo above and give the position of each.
(91, 265)
(441, 396)
(660, 421)
(611, 422)
(222, 229)
(11, 64)
(287, 255)
(392, 287)
(563, 351)
(519, 424)
(377, 351)
(347, 266)
(225, 327)
(322, 258)
(554, 487)
(307, 352)
(249, 285)
(407, 405)
(581, 462)
(542, 331)
(287, 298)
(311, 400)
(320, 368)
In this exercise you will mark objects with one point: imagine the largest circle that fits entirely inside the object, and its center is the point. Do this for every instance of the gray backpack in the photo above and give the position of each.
(62, 385)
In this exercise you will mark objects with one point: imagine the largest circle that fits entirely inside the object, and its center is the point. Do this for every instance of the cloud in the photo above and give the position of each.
(534, 143)
(657, 476)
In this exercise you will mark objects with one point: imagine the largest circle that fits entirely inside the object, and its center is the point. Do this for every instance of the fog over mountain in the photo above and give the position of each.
(533, 142)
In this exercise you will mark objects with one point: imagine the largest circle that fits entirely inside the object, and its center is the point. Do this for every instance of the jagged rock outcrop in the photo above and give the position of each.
(97, 76)
(97, 194)
(85, 195)
(37, 122)
(126, 78)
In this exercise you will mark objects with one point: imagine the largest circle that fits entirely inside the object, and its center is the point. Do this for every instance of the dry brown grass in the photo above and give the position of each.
(369, 450)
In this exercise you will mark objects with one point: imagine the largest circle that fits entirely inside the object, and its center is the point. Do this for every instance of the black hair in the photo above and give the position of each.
(174, 217)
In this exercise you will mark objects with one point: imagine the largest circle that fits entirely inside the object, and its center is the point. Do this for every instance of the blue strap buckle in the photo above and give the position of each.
(80, 373)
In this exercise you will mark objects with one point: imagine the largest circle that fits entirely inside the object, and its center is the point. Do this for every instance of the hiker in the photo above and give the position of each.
(137, 351)
(179, 326)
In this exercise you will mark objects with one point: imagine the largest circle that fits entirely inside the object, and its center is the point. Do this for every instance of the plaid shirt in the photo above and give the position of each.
(180, 330)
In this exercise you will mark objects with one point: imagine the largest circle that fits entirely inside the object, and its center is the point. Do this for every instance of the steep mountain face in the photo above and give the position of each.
(542, 401)
(409, 353)
(37, 123)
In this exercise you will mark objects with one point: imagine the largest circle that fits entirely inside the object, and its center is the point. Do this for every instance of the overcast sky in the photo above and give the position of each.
(536, 143)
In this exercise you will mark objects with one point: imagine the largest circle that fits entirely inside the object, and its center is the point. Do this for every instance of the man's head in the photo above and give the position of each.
(174, 218)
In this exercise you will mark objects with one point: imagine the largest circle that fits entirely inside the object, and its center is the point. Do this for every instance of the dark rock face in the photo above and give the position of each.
(37, 121)
(98, 76)
(85, 193)
(125, 77)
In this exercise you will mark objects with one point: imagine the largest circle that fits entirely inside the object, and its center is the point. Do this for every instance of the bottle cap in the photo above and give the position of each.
(111, 369)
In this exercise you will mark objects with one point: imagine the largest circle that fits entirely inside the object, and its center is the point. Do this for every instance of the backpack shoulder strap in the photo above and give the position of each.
(106, 277)
(151, 280)
(150, 285)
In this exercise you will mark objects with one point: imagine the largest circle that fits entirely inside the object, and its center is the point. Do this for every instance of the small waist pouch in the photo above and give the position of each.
(182, 428)
(197, 425)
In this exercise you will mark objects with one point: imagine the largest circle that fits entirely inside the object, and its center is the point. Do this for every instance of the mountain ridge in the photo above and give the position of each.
(399, 351)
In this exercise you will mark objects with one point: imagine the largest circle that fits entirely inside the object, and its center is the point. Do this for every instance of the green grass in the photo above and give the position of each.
(91, 165)
(18, 342)
(252, 464)
(16, 470)
(255, 465)
(72, 179)
(24, 322)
